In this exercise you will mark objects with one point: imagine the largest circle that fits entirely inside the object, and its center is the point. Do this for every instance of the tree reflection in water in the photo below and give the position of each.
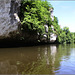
(45, 59)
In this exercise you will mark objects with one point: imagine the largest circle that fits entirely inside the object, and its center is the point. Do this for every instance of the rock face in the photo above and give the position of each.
(52, 16)
(10, 26)
(9, 21)
(52, 35)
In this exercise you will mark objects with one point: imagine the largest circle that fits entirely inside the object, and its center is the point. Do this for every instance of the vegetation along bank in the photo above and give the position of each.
(37, 17)
(30, 22)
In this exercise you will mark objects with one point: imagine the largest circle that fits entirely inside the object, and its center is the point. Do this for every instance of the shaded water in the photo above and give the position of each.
(45, 59)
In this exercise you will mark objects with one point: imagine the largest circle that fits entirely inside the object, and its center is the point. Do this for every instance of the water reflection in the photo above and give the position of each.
(53, 54)
(46, 55)
(45, 59)
(6, 68)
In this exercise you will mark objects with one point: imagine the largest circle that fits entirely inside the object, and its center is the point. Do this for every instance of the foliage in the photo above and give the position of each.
(34, 14)
(65, 36)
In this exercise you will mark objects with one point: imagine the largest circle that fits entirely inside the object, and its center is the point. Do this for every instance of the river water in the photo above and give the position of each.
(44, 59)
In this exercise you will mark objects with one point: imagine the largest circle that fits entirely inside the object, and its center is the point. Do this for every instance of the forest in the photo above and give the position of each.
(36, 13)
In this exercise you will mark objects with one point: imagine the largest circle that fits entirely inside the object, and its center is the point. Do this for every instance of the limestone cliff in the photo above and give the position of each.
(9, 21)
(52, 35)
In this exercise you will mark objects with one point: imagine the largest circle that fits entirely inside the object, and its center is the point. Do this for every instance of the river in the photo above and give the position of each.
(44, 59)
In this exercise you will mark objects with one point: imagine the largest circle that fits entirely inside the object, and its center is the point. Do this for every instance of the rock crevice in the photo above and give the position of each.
(8, 21)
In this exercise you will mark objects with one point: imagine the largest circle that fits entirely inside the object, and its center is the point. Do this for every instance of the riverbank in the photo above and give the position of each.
(26, 23)
(18, 43)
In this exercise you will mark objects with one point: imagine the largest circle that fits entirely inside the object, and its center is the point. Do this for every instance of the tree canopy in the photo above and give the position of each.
(35, 14)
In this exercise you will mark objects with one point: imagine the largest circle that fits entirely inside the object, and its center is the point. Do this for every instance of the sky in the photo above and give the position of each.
(65, 12)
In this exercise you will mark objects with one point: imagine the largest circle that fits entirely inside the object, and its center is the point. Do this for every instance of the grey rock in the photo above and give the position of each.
(46, 28)
(51, 15)
(9, 20)
(10, 23)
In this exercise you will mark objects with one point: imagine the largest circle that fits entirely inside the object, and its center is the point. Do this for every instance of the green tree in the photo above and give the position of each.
(34, 14)
(65, 36)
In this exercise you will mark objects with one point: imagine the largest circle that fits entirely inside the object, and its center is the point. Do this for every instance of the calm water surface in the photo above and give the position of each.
(45, 59)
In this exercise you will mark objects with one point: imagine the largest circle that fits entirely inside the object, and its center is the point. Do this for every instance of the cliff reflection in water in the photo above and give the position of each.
(6, 68)
(53, 54)
(45, 59)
